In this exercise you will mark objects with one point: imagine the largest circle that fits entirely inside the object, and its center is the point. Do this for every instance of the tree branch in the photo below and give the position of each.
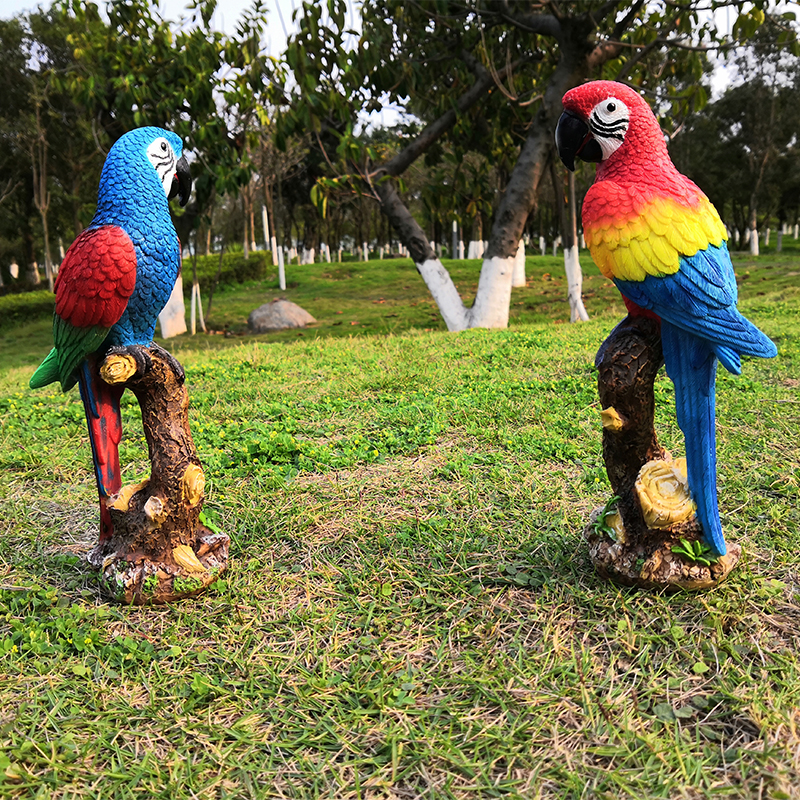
(412, 151)
(541, 24)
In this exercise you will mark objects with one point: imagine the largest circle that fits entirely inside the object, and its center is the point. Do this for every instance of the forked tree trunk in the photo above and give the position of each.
(634, 543)
(159, 550)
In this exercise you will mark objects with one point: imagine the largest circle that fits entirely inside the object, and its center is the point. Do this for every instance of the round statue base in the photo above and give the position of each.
(652, 563)
(139, 579)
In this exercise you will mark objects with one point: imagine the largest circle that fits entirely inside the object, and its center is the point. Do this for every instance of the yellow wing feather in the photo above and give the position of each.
(652, 239)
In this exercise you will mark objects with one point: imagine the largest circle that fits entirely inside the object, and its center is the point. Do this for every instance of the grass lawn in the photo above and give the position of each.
(410, 610)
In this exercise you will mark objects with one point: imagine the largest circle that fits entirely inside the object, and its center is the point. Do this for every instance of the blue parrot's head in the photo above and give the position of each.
(144, 165)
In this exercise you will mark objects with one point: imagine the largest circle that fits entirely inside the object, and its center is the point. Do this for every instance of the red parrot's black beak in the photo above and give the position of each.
(573, 138)
(182, 182)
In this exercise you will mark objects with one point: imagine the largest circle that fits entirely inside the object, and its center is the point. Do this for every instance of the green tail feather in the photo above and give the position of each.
(48, 371)
(72, 346)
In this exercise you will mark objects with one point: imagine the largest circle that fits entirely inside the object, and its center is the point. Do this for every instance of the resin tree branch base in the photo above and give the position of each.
(651, 561)
(649, 536)
(159, 550)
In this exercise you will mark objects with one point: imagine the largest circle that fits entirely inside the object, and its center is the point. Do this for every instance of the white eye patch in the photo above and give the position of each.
(608, 123)
(162, 157)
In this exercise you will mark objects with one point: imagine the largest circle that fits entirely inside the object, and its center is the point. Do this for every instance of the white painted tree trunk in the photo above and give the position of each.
(753, 241)
(34, 277)
(281, 271)
(269, 241)
(475, 249)
(494, 294)
(491, 303)
(542, 245)
(308, 255)
(518, 278)
(572, 266)
(172, 318)
(197, 309)
(444, 292)
(766, 237)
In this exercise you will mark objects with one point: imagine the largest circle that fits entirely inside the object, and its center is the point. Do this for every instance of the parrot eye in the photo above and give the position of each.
(611, 107)
(164, 147)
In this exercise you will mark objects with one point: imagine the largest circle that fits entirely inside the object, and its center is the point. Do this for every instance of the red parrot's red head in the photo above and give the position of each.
(602, 119)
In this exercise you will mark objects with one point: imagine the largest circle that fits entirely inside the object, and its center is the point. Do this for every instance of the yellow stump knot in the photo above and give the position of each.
(663, 491)
(122, 499)
(612, 420)
(118, 369)
(155, 510)
(185, 558)
(194, 484)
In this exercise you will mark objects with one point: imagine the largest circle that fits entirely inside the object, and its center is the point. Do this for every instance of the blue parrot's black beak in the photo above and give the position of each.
(182, 182)
(573, 138)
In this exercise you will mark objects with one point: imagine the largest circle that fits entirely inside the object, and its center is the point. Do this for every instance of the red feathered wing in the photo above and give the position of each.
(96, 278)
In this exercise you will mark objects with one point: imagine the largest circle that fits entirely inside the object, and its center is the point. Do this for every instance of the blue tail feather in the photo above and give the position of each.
(691, 364)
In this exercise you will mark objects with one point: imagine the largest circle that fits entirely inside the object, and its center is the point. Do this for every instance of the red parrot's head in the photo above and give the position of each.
(604, 118)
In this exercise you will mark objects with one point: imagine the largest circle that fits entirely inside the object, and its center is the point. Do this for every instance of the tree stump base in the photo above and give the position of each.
(650, 537)
(135, 578)
(158, 550)
(650, 563)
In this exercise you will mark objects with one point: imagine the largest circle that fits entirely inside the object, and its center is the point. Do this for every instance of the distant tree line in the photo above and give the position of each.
(478, 86)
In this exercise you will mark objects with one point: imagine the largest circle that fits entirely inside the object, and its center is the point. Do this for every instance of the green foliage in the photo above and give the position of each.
(599, 525)
(16, 309)
(235, 269)
(697, 551)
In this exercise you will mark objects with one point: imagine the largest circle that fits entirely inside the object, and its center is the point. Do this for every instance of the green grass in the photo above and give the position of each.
(409, 610)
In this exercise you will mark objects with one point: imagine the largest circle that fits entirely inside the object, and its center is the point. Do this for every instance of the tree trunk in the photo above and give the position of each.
(41, 194)
(626, 544)
(159, 550)
(518, 278)
(245, 218)
(753, 228)
(494, 288)
(33, 277)
(578, 55)
(493, 299)
(436, 277)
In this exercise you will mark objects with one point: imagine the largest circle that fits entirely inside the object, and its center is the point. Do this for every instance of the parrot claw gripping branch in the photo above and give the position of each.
(114, 281)
(658, 238)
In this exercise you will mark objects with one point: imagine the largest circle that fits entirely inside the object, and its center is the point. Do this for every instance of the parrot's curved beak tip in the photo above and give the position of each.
(573, 138)
(570, 133)
(182, 182)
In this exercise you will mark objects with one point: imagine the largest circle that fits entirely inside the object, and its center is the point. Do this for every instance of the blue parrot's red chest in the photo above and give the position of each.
(157, 267)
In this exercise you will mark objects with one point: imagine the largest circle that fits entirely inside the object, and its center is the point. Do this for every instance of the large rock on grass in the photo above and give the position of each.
(278, 316)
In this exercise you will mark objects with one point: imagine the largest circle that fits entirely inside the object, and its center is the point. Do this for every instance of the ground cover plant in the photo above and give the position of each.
(410, 610)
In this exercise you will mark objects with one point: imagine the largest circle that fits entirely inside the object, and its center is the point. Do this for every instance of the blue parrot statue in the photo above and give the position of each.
(114, 281)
